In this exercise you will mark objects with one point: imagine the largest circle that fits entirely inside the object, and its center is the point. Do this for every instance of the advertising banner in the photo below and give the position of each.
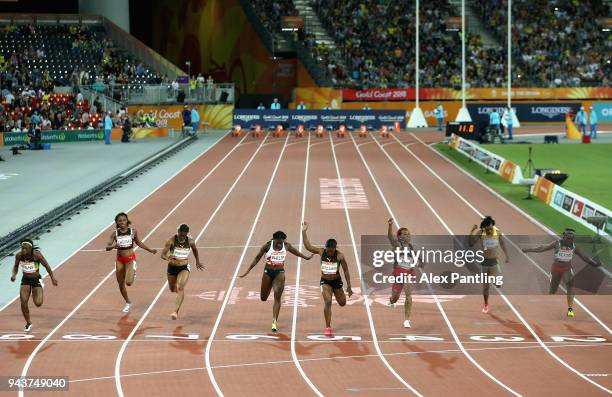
(528, 94)
(20, 138)
(494, 162)
(543, 189)
(603, 110)
(170, 116)
(579, 208)
(312, 118)
(525, 112)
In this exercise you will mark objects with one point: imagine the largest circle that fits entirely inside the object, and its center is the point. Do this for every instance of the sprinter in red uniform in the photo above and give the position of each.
(401, 239)
(123, 239)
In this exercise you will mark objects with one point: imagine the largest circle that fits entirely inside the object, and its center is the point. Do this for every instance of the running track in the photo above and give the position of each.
(234, 197)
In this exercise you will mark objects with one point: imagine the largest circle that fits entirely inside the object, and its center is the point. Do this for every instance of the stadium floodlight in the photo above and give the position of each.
(417, 118)
(515, 121)
(463, 115)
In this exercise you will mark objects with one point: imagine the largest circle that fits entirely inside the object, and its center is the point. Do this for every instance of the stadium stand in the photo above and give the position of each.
(555, 43)
(34, 59)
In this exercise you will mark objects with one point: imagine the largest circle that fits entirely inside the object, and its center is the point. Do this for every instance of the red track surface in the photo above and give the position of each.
(151, 355)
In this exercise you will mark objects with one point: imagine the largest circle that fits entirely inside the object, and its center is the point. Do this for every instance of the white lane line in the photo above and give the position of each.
(233, 280)
(446, 319)
(131, 208)
(365, 297)
(163, 287)
(294, 356)
(206, 247)
(514, 310)
(77, 307)
(526, 215)
(254, 364)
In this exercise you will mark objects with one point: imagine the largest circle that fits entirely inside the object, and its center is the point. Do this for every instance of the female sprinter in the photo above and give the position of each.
(561, 269)
(401, 239)
(123, 239)
(179, 246)
(30, 259)
(491, 240)
(331, 281)
(273, 277)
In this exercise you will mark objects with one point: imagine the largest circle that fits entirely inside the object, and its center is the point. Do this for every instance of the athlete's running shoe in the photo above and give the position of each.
(174, 315)
(274, 326)
(485, 308)
(570, 312)
(328, 332)
(407, 324)
(28, 327)
(391, 305)
(127, 307)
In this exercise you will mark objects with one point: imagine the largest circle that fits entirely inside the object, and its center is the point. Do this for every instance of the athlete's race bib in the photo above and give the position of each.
(277, 259)
(329, 267)
(29, 267)
(181, 253)
(490, 243)
(124, 241)
(409, 264)
(564, 255)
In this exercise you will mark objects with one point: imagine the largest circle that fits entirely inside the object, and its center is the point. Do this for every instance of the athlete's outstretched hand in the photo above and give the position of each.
(474, 227)
(111, 247)
(54, 281)
(153, 251)
(13, 278)
(390, 221)
(349, 292)
(305, 226)
(200, 266)
(310, 257)
(244, 275)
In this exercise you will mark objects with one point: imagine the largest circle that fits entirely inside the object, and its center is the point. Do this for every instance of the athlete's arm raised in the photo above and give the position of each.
(307, 245)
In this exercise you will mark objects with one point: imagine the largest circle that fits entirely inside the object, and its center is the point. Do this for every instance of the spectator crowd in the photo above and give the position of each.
(555, 43)
(35, 59)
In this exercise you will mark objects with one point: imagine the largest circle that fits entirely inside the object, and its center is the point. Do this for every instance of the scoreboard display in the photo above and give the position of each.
(466, 130)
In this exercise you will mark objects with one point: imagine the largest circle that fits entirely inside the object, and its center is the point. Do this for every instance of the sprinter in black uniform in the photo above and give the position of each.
(123, 239)
(176, 252)
(331, 281)
(30, 259)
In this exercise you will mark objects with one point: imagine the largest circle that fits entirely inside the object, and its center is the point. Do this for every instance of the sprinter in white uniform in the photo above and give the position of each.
(273, 277)
(561, 269)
